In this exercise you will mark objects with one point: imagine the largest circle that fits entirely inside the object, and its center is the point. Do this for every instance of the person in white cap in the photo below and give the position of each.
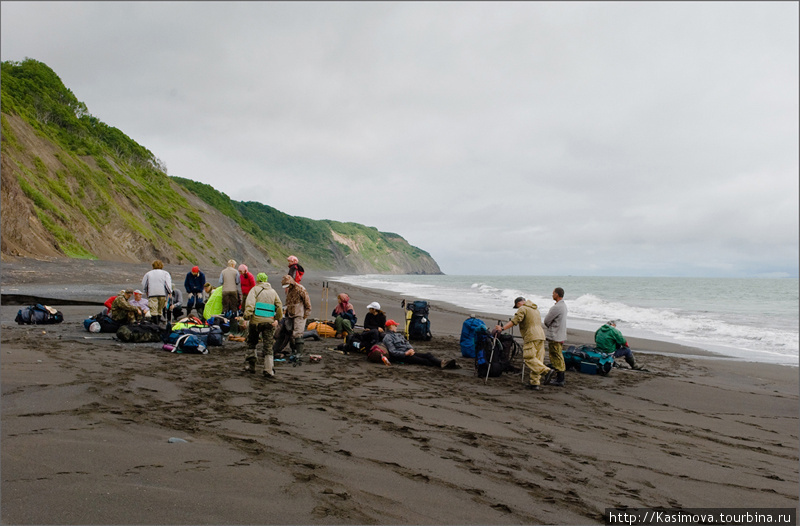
(374, 321)
(138, 301)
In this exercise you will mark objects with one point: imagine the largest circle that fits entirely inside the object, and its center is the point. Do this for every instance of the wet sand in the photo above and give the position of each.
(86, 423)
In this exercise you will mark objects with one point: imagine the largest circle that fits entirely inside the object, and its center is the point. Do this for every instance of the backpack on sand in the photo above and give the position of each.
(588, 359)
(489, 355)
(186, 344)
(143, 331)
(101, 323)
(469, 334)
(418, 326)
(38, 315)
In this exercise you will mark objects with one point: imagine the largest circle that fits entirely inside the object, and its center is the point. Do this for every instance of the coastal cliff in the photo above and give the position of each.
(75, 187)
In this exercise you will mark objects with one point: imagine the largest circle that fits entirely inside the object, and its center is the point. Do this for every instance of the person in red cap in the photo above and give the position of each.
(401, 351)
(194, 282)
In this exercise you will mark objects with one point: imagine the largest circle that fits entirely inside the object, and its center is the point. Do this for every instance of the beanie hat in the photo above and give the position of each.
(242, 268)
(262, 277)
(195, 269)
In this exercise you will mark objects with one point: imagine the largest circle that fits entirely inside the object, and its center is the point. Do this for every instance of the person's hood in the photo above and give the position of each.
(605, 328)
(287, 280)
(530, 304)
(264, 285)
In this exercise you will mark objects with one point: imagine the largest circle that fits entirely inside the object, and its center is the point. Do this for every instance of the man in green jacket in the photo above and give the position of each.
(530, 325)
(609, 340)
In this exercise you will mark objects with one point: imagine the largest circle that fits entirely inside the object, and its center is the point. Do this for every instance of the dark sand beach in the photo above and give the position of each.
(86, 423)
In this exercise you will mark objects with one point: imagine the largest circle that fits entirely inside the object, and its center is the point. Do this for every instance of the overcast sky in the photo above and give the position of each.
(562, 138)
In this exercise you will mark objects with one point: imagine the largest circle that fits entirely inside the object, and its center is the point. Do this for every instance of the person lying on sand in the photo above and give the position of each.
(400, 350)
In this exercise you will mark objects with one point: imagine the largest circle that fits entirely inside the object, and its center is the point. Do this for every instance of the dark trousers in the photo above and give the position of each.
(421, 358)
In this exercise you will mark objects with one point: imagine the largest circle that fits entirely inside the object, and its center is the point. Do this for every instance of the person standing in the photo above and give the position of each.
(609, 339)
(298, 309)
(296, 271)
(530, 325)
(246, 281)
(194, 289)
(229, 279)
(157, 284)
(262, 310)
(555, 331)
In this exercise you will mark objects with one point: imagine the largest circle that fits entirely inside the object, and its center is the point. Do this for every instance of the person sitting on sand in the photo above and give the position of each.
(110, 301)
(122, 311)
(344, 316)
(609, 339)
(401, 351)
(374, 321)
(138, 301)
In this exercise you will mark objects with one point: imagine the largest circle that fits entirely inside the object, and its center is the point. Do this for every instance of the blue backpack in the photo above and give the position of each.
(469, 335)
(187, 344)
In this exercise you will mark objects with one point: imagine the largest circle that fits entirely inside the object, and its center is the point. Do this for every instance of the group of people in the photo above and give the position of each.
(552, 332)
(260, 305)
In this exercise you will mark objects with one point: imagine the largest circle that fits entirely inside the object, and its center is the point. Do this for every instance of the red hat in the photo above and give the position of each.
(195, 269)
(391, 322)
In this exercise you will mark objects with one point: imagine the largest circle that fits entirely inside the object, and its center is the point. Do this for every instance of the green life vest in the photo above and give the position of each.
(265, 310)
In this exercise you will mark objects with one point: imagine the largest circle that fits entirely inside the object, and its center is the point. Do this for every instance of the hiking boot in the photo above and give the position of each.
(559, 381)
(632, 362)
(532, 387)
(449, 364)
(250, 366)
(548, 376)
(267, 375)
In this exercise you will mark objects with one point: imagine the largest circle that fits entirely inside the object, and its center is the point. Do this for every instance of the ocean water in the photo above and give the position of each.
(750, 319)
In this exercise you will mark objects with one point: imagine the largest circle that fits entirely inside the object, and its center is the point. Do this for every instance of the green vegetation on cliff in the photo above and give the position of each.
(92, 191)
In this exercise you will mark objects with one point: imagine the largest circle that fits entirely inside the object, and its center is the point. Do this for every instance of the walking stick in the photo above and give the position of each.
(322, 297)
(491, 356)
(326, 290)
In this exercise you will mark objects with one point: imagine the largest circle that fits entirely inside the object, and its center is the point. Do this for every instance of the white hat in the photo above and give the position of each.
(374, 305)
(137, 291)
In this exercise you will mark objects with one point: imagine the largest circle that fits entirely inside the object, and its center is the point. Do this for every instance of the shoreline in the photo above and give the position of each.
(87, 422)
(574, 336)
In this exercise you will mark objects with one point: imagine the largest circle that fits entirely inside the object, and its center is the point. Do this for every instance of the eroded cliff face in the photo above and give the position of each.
(56, 204)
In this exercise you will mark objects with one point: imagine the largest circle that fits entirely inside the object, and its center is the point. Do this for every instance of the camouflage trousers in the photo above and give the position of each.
(259, 330)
